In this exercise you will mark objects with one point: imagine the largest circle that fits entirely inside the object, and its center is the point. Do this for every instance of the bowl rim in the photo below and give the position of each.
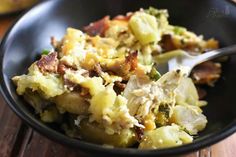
(88, 147)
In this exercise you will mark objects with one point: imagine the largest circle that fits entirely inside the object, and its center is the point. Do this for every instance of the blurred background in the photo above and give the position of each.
(10, 6)
(10, 10)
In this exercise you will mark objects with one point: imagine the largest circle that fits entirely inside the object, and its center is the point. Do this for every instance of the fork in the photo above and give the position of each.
(187, 62)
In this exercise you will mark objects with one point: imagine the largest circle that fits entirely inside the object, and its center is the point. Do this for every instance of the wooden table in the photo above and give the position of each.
(17, 139)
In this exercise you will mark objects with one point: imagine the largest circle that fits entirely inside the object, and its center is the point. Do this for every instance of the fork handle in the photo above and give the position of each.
(230, 50)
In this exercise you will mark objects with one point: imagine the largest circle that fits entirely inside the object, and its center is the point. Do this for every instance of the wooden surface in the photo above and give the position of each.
(17, 139)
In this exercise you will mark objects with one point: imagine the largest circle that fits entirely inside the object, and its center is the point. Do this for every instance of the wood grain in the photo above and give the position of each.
(16, 139)
(45, 147)
(5, 23)
(10, 127)
(225, 148)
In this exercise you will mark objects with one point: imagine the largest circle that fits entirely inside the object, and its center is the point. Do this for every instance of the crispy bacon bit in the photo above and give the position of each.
(96, 71)
(201, 92)
(62, 67)
(84, 92)
(70, 85)
(48, 63)
(123, 67)
(119, 87)
(132, 59)
(167, 43)
(98, 27)
(139, 133)
(206, 73)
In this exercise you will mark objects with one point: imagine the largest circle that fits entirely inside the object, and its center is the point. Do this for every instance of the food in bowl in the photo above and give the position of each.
(103, 85)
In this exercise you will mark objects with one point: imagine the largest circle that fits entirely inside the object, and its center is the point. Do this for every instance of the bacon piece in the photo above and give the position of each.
(84, 92)
(62, 67)
(206, 73)
(96, 71)
(70, 85)
(48, 63)
(119, 87)
(132, 59)
(201, 92)
(98, 27)
(167, 43)
(139, 133)
(123, 67)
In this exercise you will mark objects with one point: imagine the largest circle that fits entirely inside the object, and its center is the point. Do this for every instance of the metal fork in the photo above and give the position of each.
(186, 62)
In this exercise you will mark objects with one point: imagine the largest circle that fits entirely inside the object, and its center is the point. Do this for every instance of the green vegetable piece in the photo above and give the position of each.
(45, 52)
(161, 16)
(157, 12)
(179, 30)
(154, 74)
(144, 27)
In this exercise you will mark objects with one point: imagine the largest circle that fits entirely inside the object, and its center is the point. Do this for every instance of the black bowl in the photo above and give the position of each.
(31, 34)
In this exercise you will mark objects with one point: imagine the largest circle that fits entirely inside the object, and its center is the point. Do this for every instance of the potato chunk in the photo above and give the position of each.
(189, 117)
(50, 115)
(72, 102)
(144, 27)
(50, 85)
(94, 133)
(102, 102)
(164, 137)
(94, 84)
(186, 93)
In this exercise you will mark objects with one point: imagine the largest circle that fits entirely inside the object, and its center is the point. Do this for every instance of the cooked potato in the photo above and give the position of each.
(101, 102)
(94, 84)
(189, 117)
(102, 85)
(186, 93)
(164, 137)
(36, 101)
(72, 103)
(49, 85)
(51, 114)
(72, 41)
(144, 27)
(94, 133)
